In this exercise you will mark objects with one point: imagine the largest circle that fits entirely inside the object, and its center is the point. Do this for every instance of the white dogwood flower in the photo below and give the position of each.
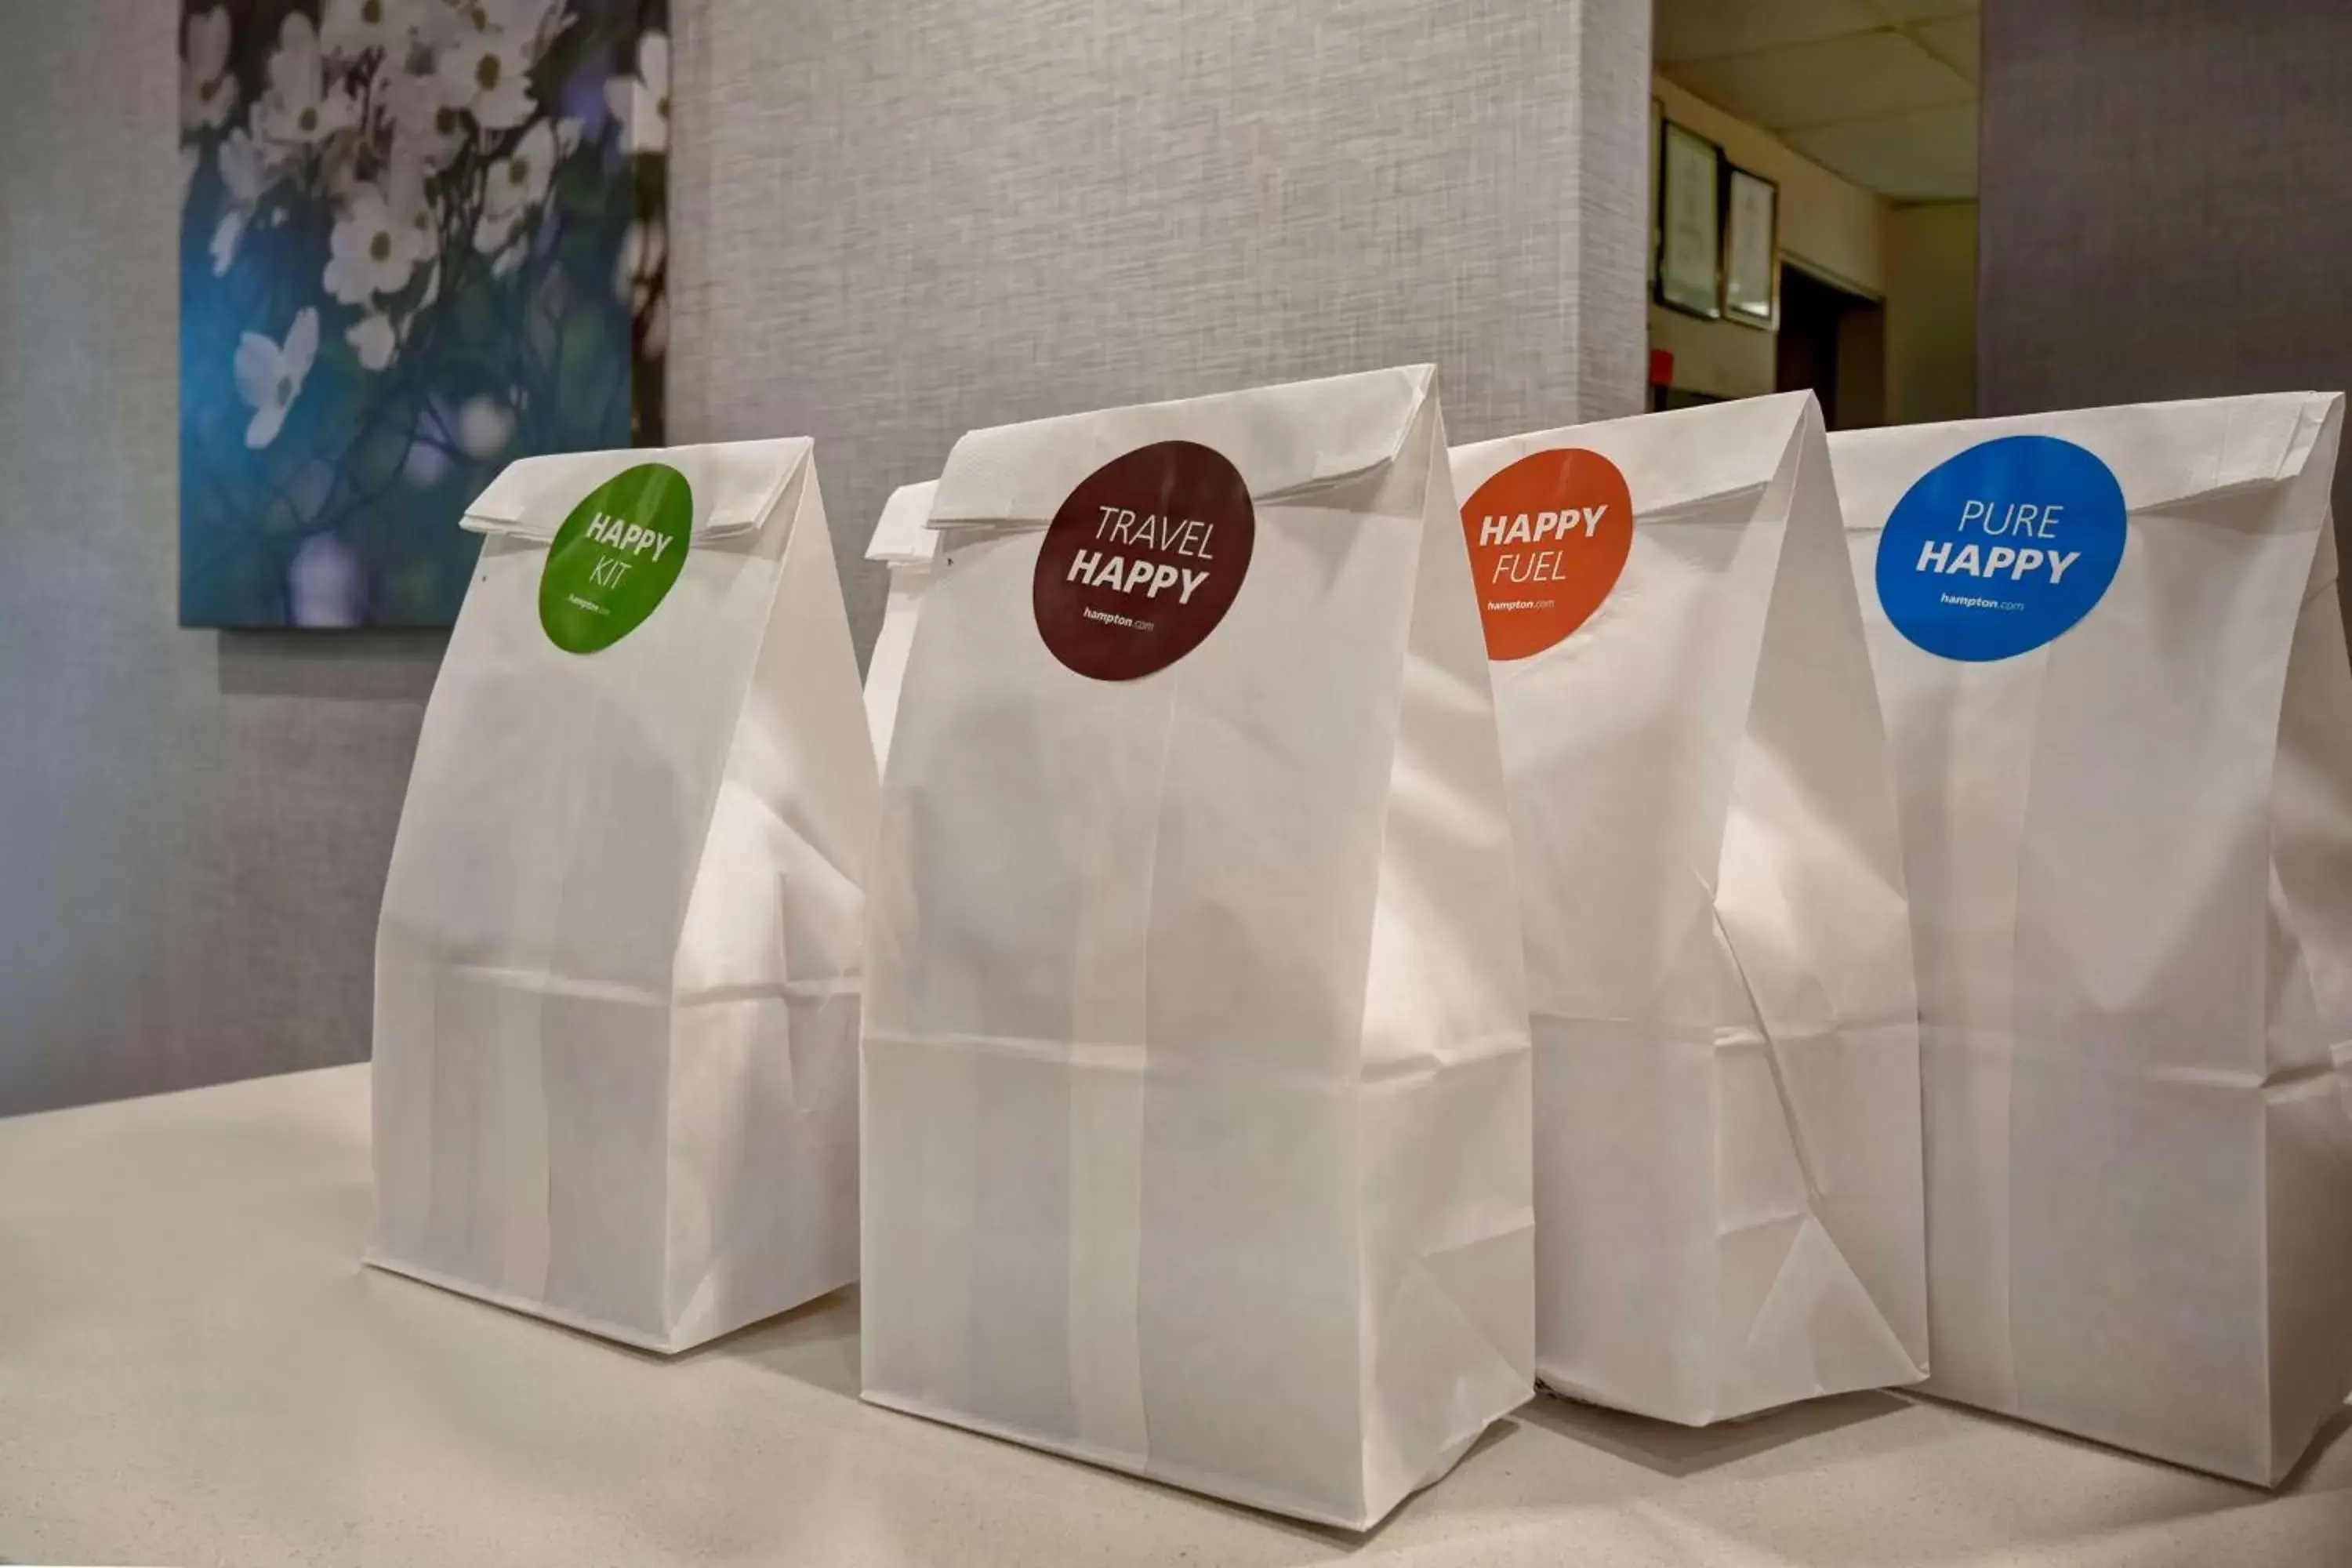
(246, 172)
(370, 252)
(269, 375)
(225, 234)
(245, 167)
(493, 234)
(343, 172)
(640, 101)
(478, 17)
(373, 340)
(350, 29)
(517, 183)
(410, 203)
(486, 73)
(417, 110)
(224, 243)
(208, 92)
(435, 24)
(301, 109)
(532, 24)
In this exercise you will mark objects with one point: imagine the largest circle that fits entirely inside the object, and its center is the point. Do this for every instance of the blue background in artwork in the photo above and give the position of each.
(2040, 469)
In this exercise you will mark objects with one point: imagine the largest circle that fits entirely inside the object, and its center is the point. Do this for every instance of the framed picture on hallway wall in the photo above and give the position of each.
(1690, 246)
(1751, 251)
(419, 240)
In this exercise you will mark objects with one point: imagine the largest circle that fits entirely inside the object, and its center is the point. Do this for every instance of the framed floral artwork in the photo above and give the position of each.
(419, 240)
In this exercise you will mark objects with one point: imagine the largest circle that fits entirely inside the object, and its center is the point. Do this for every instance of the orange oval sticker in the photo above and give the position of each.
(1547, 537)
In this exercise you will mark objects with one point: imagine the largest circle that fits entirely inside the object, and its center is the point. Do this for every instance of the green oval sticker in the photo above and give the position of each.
(614, 558)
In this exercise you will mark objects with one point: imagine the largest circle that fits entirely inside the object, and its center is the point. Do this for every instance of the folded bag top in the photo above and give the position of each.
(2160, 453)
(902, 535)
(1283, 440)
(735, 485)
(1697, 457)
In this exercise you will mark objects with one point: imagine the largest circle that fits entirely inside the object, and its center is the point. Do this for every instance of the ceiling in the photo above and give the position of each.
(1882, 92)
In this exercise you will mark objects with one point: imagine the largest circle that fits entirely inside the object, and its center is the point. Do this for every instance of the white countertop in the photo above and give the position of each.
(194, 1368)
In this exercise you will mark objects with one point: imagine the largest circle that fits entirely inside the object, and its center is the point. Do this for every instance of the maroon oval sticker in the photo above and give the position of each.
(1143, 560)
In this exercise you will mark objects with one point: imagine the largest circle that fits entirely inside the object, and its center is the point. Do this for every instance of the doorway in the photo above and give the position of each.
(1832, 343)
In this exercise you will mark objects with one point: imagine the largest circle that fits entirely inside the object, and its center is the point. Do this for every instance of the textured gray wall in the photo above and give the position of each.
(193, 827)
(939, 214)
(890, 222)
(2166, 202)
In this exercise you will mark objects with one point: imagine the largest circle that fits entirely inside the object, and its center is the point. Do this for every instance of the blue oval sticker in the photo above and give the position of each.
(2001, 548)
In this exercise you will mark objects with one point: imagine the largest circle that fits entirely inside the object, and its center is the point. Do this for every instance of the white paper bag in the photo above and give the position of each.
(2113, 671)
(1195, 1078)
(904, 541)
(618, 970)
(1727, 1080)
